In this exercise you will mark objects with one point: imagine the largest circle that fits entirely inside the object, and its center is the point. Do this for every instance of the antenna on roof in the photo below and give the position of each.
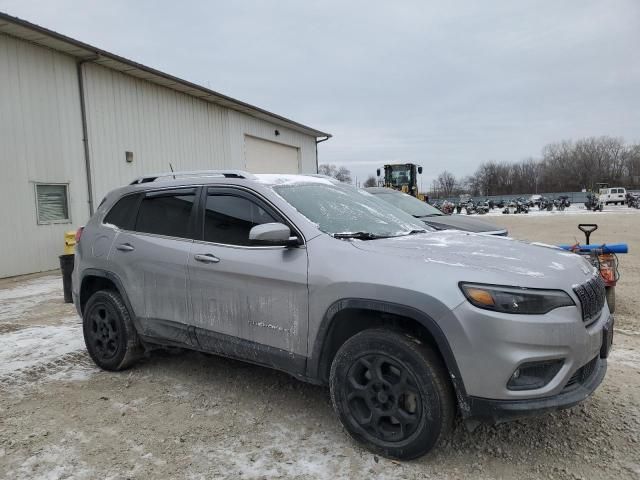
(171, 167)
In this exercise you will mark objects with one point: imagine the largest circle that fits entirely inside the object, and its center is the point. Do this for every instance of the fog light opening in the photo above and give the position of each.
(534, 375)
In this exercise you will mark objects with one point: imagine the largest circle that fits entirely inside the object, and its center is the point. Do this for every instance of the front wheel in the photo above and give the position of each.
(392, 393)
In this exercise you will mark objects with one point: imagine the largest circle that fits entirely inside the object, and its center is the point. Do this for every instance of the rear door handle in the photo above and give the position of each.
(125, 247)
(206, 258)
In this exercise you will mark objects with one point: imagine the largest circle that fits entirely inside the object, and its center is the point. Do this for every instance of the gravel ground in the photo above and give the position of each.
(189, 415)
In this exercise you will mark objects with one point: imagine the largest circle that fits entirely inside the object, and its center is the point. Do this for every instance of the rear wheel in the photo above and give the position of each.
(391, 392)
(109, 334)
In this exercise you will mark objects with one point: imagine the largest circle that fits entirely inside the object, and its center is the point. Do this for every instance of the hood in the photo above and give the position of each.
(459, 222)
(488, 259)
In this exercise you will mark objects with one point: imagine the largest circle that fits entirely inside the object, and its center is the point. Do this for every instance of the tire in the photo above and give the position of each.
(109, 334)
(611, 298)
(379, 376)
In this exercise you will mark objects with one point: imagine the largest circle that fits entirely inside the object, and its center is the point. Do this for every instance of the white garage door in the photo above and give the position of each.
(263, 156)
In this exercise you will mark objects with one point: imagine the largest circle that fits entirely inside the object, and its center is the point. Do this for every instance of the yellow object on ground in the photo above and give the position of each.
(69, 242)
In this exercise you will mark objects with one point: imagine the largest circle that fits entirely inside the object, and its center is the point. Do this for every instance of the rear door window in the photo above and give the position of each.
(167, 213)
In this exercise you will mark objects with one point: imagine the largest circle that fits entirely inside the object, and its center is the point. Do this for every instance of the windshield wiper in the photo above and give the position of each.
(358, 235)
(411, 232)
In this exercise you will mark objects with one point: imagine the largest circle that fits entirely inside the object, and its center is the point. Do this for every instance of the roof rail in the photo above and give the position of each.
(194, 173)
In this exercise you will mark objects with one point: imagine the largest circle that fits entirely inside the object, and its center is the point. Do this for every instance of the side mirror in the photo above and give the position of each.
(272, 234)
(378, 172)
(420, 170)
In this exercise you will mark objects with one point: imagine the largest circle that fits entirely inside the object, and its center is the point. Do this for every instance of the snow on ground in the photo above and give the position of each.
(28, 347)
(32, 352)
(54, 462)
(572, 210)
(626, 357)
(18, 299)
(289, 454)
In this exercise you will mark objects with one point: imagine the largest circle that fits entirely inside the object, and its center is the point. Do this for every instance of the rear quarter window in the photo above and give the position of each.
(123, 213)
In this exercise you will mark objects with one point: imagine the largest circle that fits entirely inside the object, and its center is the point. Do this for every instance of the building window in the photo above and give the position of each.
(52, 203)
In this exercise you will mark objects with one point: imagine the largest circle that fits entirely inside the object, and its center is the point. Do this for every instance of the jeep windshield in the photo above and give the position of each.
(346, 212)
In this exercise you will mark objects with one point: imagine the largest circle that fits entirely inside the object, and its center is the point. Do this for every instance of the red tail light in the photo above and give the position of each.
(79, 234)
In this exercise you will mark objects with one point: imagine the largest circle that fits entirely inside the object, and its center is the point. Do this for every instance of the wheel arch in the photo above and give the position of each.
(348, 316)
(94, 279)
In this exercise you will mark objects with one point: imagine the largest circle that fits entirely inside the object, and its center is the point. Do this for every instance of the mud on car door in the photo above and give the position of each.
(248, 301)
(152, 259)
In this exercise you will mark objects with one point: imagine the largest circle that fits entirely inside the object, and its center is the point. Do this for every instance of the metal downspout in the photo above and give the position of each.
(317, 142)
(85, 134)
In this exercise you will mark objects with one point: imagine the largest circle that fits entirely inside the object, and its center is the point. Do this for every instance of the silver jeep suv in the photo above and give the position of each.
(407, 327)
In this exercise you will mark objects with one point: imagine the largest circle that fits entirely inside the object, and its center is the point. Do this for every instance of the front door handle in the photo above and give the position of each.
(125, 247)
(206, 258)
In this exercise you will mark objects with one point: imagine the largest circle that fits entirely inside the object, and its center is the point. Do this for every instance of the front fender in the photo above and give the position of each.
(318, 362)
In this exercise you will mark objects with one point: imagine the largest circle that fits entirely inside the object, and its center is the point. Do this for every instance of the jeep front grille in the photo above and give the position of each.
(592, 297)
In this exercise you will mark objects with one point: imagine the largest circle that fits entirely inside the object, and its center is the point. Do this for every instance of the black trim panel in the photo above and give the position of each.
(249, 351)
(167, 332)
(499, 411)
(174, 332)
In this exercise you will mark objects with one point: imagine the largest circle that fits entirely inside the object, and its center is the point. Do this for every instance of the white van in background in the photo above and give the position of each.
(612, 195)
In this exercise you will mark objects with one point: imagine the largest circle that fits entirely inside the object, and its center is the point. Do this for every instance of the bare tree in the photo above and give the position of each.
(341, 174)
(370, 181)
(328, 170)
(446, 183)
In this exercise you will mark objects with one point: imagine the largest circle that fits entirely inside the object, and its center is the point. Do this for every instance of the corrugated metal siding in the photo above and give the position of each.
(40, 141)
(241, 125)
(162, 126)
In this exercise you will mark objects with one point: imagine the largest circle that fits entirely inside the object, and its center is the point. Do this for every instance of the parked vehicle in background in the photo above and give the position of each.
(522, 206)
(561, 202)
(402, 177)
(593, 202)
(534, 200)
(447, 207)
(407, 326)
(545, 204)
(483, 207)
(433, 217)
(615, 195)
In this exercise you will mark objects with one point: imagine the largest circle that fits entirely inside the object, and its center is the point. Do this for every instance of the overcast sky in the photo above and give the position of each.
(447, 85)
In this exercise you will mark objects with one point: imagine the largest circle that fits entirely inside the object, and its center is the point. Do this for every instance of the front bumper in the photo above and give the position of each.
(499, 411)
(489, 346)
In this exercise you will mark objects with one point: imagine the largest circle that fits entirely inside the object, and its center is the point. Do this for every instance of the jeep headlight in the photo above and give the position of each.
(525, 301)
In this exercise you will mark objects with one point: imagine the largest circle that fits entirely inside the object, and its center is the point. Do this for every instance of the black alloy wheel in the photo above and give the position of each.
(103, 332)
(392, 393)
(383, 397)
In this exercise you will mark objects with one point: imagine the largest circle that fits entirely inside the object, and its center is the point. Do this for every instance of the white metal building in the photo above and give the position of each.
(77, 121)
